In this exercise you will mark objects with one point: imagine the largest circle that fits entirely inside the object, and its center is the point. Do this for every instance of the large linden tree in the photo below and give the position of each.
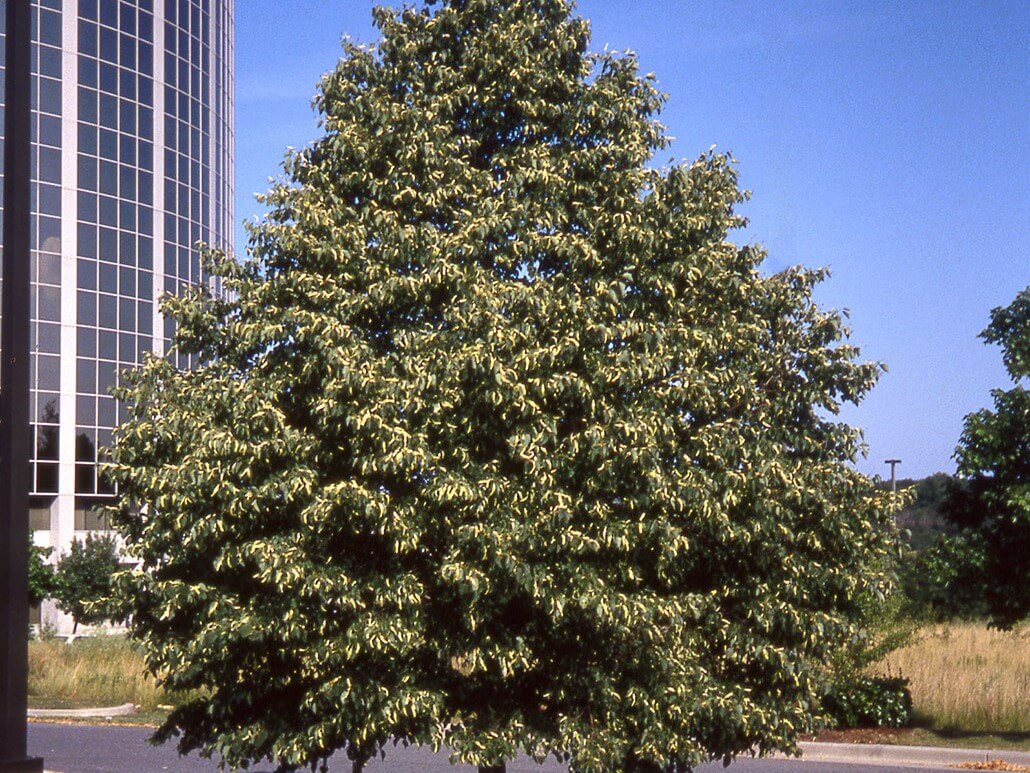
(498, 441)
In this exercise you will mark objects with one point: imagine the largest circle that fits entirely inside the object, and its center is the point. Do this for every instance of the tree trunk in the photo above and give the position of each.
(492, 768)
(357, 766)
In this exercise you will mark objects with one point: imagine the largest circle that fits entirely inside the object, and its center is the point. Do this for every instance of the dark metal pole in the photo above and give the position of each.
(894, 486)
(14, 395)
(894, 482)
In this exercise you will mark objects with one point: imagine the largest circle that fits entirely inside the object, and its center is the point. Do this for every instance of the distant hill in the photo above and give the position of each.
(924, 518)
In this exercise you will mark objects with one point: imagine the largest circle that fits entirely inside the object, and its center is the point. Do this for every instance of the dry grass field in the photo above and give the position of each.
(104, 671)
(968, 678)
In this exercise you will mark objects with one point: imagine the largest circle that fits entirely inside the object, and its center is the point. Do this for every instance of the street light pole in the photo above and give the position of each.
(894, 487)
(894, 481)
(14, 394)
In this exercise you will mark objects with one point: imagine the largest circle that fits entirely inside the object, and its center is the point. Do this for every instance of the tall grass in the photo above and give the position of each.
(101, 671)
(966, 677)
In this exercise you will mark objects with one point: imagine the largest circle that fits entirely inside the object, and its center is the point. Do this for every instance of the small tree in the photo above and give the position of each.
(992, 509)
(84, 579)
(499, 441)
(42, 581)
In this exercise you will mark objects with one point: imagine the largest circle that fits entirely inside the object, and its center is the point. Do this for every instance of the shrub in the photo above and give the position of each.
(857, 698)
(870, 702)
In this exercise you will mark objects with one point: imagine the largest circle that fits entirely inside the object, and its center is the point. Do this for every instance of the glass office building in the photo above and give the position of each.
(132, 167)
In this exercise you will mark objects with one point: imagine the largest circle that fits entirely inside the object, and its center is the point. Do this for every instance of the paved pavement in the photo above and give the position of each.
(79, 748)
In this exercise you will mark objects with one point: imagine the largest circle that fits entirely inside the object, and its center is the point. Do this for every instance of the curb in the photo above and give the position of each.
(905, 756)
(113, 711)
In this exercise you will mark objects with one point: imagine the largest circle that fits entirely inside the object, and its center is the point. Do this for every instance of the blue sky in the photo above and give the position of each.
(887, 141)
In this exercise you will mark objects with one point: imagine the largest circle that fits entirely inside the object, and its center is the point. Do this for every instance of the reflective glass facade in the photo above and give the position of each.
(132, 167)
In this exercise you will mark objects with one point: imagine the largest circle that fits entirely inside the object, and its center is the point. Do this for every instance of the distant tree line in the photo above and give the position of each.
(922, 519)
(934, 560)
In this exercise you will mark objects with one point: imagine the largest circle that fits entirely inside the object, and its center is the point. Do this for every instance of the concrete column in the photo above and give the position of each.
(62, 511)
(159, 174)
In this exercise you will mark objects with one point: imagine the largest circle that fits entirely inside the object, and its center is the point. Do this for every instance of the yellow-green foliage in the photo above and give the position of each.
(968, 677)
(104, 671)
(498, 440)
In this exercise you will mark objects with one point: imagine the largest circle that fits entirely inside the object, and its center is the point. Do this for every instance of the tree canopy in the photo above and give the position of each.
(992, 507)
(498, 440)
(83, 582)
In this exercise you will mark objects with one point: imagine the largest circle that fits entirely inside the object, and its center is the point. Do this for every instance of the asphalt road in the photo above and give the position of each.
(77, 748)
